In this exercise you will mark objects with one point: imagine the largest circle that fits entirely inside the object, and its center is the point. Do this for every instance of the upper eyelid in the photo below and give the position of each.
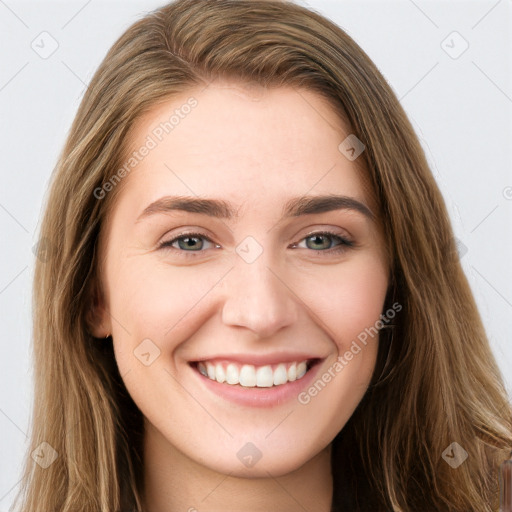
(191, 234)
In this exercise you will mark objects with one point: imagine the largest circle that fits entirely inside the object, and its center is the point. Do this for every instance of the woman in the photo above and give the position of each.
(194, 348)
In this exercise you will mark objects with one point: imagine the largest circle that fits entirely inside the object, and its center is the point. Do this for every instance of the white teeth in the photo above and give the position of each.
(220, 375)
(211, 371)
(202, 369)
(264, 377)
(232, 375)
(292, 372)
(280, 375)
(250, 376)
(302, 368)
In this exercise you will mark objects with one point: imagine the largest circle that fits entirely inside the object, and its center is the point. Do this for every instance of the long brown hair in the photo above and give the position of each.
(436, 381)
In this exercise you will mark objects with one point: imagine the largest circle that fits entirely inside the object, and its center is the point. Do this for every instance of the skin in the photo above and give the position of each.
(255, 149)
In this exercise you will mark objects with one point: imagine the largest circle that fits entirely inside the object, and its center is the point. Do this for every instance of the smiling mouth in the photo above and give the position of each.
(252, 376)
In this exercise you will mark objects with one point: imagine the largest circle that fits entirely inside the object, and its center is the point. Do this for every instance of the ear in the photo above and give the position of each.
(97, 316)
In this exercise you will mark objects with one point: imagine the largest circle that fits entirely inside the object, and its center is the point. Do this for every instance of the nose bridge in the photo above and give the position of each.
(257, 298)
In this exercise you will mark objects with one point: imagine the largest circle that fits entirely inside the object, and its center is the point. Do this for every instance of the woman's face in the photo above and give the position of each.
(237, 281)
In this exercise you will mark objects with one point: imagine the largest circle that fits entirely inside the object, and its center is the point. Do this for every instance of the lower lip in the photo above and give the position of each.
(260, 397)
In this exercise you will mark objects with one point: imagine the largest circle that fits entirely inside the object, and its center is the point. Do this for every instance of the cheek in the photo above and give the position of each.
(157, 308)
(152, 300)
(349, 304)
(346, 298)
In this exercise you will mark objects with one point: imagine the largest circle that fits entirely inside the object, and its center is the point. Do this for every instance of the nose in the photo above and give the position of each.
(258, 298)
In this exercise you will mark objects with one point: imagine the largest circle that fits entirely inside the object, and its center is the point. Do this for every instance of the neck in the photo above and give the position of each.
(175, 483)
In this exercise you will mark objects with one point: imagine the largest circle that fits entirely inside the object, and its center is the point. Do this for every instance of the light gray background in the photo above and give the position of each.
(460, 106)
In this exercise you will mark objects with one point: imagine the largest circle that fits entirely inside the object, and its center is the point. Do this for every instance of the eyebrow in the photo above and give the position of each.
(295, 207)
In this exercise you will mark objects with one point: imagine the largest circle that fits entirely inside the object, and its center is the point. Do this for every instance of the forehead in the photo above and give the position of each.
(242, 143)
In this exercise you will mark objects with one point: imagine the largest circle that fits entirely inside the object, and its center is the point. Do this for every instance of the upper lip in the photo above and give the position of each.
(261, 359)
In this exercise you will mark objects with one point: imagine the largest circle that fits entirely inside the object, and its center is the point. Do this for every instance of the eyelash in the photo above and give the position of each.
(341, 247)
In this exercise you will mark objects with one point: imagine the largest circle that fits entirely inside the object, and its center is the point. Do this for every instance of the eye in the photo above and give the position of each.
(322, 241)
(187, 242)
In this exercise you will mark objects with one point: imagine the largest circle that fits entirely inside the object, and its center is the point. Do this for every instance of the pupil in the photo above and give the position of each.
(190, 241)
(318, 239)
